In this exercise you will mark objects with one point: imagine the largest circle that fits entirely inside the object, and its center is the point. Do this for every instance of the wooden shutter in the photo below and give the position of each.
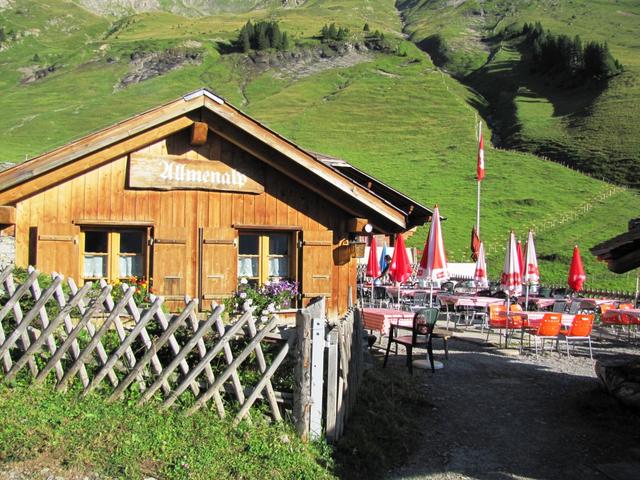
(54, 247)
(317, 263)
(218, 263)
(170, 262)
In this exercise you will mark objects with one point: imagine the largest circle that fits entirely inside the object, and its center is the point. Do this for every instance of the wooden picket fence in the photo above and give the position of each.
(103, 342)
(165, 356)
(328, 371)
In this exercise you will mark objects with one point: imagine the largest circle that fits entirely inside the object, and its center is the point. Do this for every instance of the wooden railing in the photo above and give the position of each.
(100, 340)
(112, 345)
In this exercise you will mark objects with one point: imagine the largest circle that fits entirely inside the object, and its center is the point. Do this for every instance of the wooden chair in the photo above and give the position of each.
(424, 321)
(580, 330)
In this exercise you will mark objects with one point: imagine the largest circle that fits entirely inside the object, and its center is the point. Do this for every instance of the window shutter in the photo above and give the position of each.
(170, 262)
(54, 247)
(317, 263)
(218, 263)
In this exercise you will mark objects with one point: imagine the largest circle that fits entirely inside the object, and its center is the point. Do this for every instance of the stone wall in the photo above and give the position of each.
(7, 251)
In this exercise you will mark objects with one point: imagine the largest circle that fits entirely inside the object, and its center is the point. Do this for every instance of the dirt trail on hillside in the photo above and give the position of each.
(524, 417)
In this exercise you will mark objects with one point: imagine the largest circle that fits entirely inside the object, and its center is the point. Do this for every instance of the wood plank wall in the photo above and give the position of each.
(100, 194)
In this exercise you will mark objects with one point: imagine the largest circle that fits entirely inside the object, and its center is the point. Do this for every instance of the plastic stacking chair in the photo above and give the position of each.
(580, 330)
(497, 319)
(549, 328)
(424, 321)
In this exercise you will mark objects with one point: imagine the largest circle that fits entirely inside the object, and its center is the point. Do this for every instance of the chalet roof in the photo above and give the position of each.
(336, 180)
(622, 252)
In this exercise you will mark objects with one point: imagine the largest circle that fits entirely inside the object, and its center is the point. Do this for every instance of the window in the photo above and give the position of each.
(113, 254)
(264, 257)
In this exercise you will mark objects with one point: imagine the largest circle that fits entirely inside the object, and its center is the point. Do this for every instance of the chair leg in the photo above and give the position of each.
(386, 355)
(446, 349)
(430, 354)
(410, 359)
(590, 351)
(566, 340)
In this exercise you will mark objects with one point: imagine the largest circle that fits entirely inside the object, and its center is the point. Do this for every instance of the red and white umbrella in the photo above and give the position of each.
(480, 275)
(434, 267)
(531, 274)
(520, 258)
(576, 272)
(511, 281)
(373, 267)
(400, 269)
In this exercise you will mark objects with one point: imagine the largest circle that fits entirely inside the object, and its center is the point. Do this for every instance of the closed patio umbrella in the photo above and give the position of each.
(373, 268)
(531, 274)
(400, 269)
(435, 264)
(480, 275)
(520, 257)
(511, 280)
(576, 272)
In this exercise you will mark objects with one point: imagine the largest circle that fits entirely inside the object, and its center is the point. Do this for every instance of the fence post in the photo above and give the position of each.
(302, 374)
(332, 384)
(317, 311)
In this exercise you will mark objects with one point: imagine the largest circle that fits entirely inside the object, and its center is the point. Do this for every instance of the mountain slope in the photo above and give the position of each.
(392, 114)
(592, 128)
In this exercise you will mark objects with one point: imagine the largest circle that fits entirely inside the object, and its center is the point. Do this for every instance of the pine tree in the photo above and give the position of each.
(263, 37)
(245, 40)
(276, 36)
(285, 41)
(332, 34)
(365, 28)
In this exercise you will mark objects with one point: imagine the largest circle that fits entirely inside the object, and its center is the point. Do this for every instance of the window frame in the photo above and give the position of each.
(113, 253)
(264, 255)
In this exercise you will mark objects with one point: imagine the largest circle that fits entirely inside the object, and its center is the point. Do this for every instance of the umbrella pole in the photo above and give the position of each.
(431, 295)
(506, 330)
(526, 298)
(372, 303)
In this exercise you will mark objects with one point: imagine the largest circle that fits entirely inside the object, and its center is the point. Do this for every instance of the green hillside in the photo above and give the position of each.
(593, 127)
(392, 114)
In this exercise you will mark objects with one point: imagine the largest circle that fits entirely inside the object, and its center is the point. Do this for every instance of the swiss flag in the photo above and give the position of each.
(481, 158)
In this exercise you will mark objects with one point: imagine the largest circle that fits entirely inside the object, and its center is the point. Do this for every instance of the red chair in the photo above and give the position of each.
(549, 328)
(497, 319)
(580, 330)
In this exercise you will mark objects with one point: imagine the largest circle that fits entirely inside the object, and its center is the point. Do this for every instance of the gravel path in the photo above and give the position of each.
(499, 416)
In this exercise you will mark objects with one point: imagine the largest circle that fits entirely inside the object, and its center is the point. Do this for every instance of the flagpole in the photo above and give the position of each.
(479, 181)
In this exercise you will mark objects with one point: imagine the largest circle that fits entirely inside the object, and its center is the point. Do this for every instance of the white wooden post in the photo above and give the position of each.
(317, 311)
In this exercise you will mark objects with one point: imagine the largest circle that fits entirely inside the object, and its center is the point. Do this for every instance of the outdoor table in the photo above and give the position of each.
(467, 303)
(611, 316)
(538, 302)
(381, 318)
(405, 291)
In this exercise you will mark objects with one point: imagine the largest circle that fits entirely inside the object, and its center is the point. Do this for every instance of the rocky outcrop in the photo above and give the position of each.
(35, 73)
(145, 66)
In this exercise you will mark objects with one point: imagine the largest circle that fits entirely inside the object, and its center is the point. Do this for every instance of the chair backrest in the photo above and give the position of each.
(559, 306)
(625, 306)
(515, 307)
(420, 298)
(424, 321)
(605, 306)
(550, 325)
(581, 325)
(379, 293)
(497, 312)
(574, 307)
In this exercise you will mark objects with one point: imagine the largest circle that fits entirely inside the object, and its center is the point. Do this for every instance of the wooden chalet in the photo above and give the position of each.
(195, 194)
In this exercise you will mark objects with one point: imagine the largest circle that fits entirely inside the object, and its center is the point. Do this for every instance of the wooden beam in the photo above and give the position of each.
(356, 224)
(199, 133)
(7, 215)
(94, 160)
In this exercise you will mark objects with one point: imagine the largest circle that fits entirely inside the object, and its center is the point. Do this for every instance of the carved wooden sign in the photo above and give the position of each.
(171, 172)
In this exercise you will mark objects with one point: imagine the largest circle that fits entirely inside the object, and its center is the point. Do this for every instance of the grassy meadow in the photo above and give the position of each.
(395, 116)
(587, 126)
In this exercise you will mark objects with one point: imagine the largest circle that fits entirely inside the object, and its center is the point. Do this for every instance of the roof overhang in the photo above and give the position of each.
(622, 252)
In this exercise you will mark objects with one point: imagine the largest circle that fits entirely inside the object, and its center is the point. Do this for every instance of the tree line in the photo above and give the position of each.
(262, 36)
(568, 57)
